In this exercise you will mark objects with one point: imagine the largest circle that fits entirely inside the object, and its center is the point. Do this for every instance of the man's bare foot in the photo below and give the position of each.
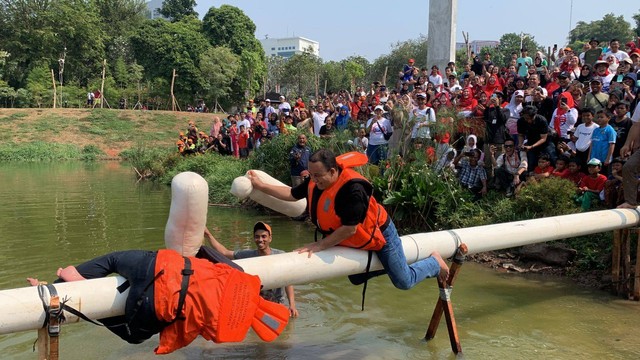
(444, 269)
(626, 205)
(33, 282)
(70, 273)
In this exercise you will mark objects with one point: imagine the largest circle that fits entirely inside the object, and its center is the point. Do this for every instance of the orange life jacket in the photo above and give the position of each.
(221, 304)
(368, 235)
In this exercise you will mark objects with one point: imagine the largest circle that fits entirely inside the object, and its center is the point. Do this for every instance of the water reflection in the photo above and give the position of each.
(58, 214)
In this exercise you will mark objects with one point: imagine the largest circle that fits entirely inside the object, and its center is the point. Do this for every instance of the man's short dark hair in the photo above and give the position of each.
(563, 158)
(588, 109)
(612, 40)
(529, 110)
(625, 103)
(544, 157)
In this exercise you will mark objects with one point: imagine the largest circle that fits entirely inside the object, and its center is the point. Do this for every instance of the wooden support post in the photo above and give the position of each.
(55, 91)
(636, 278)
(615, 262)
(444, 305)
(625, 248)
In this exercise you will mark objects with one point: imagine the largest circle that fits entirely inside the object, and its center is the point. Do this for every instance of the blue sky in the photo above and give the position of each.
(368, 28)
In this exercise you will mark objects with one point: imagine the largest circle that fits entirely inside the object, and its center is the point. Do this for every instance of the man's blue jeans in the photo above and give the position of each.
(392, 257)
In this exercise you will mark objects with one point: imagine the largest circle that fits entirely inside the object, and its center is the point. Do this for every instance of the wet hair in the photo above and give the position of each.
(326, 157)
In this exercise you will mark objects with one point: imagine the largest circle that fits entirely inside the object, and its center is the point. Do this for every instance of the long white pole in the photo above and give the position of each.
(22, 308)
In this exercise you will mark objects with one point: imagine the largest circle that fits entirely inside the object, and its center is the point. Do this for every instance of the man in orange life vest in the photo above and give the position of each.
(181, 298)
(342, 207)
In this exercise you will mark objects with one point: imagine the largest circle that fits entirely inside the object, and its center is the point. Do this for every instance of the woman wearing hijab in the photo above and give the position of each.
(492, 86)
(467, 103)
(514, 107)
(343, 118)
(564, 117)
(585, 74)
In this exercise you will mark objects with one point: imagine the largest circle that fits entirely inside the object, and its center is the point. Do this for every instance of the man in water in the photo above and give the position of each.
(262, 237)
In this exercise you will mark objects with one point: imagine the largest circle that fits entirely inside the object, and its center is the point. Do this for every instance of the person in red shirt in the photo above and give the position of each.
(574, 175)
(243, 143)
(591, 185)
(562, 168)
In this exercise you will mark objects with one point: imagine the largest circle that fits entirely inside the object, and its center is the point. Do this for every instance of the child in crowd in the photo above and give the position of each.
(574, 175)
(582, 136)
(360, 142)
(542, 171)
(613, 194)
(561, 170)
(243, 140)
(591, 185)
(603, 140)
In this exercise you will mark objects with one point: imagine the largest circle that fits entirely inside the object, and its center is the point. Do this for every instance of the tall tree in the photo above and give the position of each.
(161, 46)
(605, 29)
(300, 72)
(40, 30)
(219, 66)
(636, 17)
(275, 71)
(229, 26)
(176, 10)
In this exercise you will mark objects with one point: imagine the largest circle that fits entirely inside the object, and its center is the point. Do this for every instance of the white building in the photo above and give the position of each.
(153, 9)
(287, 47)
(477, 45)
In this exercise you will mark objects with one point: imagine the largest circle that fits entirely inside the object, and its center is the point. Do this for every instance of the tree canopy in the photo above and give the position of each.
(605, 29)
(176, 10)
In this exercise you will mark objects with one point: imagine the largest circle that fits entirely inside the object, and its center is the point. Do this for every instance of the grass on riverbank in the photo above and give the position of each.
(76, 134)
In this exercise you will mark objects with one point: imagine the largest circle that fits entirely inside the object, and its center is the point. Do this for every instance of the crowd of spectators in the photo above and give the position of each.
(497, 126)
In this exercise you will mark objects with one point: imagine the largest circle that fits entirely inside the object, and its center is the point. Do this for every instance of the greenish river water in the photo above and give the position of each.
(58, 214)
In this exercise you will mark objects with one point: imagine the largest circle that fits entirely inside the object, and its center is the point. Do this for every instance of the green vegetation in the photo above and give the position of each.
(38, 151)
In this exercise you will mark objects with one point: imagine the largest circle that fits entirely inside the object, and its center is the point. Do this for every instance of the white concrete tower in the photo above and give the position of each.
(442, 32)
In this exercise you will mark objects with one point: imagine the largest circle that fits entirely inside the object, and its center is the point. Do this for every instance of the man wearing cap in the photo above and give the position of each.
(593, 54)
(564, 82)
(635, 58)
(595, 99)
(422, 117)
(262, 236)
(602, 73)
(284, 107)
(407, 70)
(268, 109)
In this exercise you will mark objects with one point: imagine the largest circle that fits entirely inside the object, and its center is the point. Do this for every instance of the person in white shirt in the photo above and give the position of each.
(284, 107)
(436, 79)
(422, 117)
(268, 109)
(614, 49)
(582, 135)
(380, 131)
(319, 117)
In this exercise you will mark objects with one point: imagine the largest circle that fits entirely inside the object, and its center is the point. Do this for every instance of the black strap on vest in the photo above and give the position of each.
(370, 255)
(186, 274)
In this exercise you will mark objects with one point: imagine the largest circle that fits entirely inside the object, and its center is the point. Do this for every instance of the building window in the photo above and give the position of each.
(293, 47)
(273, 49)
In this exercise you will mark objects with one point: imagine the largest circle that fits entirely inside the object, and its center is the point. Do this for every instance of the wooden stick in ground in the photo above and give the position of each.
(104, 69)
(55, 91)
(615, 263)
(443, 305)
